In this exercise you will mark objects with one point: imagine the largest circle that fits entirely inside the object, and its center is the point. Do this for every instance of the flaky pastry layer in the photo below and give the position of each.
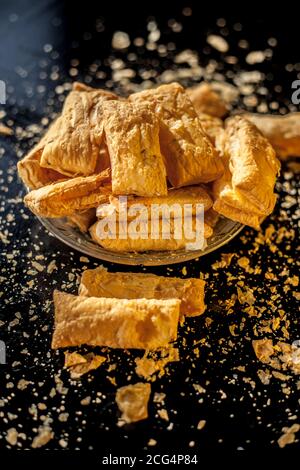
(101, 283)
(116, 323)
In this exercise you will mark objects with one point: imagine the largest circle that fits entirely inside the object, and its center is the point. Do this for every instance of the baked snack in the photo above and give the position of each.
(212, 125)
(132, 137)
(176, 199)
(83, 219)
(31, 172)
(73, 148)
(64, 198)
(282, 131)
(207, 101)
(190, 157)
(101, 283)
(245, 192)
(157, 237)
(132, 401)
(214, 98)
(116, 323)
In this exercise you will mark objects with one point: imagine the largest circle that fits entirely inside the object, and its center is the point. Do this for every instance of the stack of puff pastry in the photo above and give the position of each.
(165, 145)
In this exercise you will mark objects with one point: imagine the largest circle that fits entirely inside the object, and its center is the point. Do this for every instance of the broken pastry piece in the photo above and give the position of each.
(163, 237)
(78, 365)
(73, 148)
(190, 157)
(83, 219)
(132, 137)
(64, 198)
(245, 192)
(101, 283)
(116, 323)
(282, 131)
(132, 401)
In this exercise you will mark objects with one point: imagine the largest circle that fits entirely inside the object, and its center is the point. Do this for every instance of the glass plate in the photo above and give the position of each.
(224, 231)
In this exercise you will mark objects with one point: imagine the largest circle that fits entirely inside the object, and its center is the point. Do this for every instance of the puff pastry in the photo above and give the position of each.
(213, 126)
(245, 191)
(74, 147)
(31, 172)
(64, 198)
(187, 195)
(132, 137)
(116, 323)
(83, 219)
(282, 131)
(207, 101)
(190, 157)
(101, 283)
(146, 242)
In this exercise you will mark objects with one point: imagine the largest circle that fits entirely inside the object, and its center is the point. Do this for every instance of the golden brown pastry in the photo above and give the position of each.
(116, 323)
(211, 217)
(101, 283)
(190, 157)
(282, 131)
(207, 101)
(132, 137)
(213, 126)
(73, 148)
(245, 192)
(29, 168)
(164, 239)
(132, 401)
(64, 198)
(187, 195)
(83, 219)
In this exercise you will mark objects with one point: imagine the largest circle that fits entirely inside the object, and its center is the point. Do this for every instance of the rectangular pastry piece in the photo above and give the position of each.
(189, 154)
(245, 192)
(282, 131)
(64, 198)
(116, 323)
(73, 148)
(132, 137)
(163, 239)
(101, 283)
(176, 199)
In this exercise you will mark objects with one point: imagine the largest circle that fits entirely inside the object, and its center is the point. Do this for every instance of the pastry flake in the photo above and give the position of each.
(132, 137)
(132, 401)
(64, 198)
(78, 365)
(190, 157)
(101, 283)
(245, 192)
(115, 323)
(282, 131)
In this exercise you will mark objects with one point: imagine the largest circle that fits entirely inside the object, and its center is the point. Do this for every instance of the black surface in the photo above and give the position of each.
(240, 412)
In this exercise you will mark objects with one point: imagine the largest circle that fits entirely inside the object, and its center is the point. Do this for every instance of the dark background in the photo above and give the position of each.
(239, 415)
